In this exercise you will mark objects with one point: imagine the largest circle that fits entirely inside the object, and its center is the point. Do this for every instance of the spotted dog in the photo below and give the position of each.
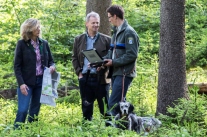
(125, 118)
(147, 125)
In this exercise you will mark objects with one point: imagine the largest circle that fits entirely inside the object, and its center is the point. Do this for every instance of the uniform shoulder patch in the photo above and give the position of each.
(130, 40)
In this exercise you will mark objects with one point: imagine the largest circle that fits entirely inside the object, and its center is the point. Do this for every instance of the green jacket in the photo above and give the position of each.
(126, 44)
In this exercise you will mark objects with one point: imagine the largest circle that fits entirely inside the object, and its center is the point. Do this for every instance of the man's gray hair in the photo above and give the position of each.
(92, 14)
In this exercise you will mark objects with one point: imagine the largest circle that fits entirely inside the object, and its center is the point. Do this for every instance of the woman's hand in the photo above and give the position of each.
(52, 69)
(24, 89)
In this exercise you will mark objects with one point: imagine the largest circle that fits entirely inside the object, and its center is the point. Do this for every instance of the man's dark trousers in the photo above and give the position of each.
(91, 90)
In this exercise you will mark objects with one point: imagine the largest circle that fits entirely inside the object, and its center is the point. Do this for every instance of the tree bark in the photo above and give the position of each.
(100, 7)
(172, 71)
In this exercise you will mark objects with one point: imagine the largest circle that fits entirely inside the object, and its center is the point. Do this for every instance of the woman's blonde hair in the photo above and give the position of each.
(27, 27)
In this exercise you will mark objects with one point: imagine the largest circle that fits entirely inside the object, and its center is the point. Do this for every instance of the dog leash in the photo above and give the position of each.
(114, 52)
(124, 74)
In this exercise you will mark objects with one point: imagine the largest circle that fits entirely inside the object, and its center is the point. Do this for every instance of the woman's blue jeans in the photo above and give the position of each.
(30, 103)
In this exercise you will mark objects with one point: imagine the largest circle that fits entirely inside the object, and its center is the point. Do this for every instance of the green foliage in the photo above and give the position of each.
(63, 120)
(144, 17)
(143, 91)
(74, 97)
(196, 45)
(189, 115)
(61, 21)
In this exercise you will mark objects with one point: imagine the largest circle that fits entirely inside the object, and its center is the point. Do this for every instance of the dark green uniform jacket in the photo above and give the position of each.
(126, 44)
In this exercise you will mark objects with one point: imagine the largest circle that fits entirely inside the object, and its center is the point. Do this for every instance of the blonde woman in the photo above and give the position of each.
(32, 54)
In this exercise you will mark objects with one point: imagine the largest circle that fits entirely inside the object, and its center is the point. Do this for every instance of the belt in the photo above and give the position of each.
(91, 75)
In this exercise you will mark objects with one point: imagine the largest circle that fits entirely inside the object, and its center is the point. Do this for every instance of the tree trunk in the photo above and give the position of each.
(100, 7)
(172, 71)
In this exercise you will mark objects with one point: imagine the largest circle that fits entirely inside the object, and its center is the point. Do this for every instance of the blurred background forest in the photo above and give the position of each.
(62, 20)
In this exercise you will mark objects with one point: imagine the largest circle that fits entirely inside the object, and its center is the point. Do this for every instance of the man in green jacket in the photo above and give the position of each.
(122, 55)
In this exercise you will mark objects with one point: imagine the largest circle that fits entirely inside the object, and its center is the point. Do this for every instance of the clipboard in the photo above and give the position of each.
(93, 57)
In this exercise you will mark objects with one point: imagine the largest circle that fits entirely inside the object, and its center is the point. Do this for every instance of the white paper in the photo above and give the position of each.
(49, 87)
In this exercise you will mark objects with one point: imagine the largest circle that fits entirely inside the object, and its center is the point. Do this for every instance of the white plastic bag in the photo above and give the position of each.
(49, 87)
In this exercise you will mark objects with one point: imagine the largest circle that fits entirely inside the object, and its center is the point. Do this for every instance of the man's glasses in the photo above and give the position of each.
(110, 17)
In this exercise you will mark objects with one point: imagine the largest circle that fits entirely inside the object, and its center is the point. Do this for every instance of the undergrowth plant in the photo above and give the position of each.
(187, 118)
(188, 115)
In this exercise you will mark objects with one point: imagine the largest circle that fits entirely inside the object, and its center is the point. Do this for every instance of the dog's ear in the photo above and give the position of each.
(117, 108)
(131, 108)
